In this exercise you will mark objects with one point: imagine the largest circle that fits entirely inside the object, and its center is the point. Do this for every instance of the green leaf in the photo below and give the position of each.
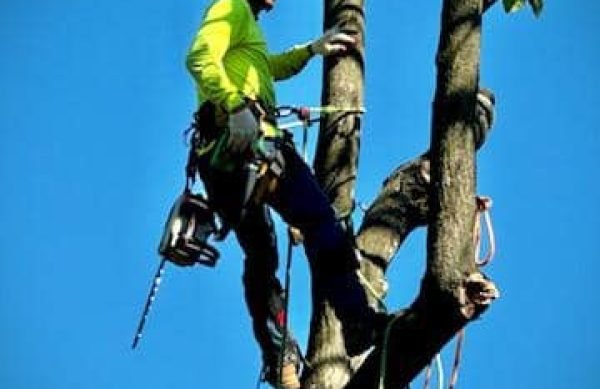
(537, 6)
(511, 6)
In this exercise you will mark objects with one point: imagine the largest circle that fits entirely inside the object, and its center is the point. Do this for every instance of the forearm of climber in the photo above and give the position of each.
(290, 62)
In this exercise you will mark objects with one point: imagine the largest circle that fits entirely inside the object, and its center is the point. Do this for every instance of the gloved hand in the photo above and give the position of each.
(243, 129)
(332, 42)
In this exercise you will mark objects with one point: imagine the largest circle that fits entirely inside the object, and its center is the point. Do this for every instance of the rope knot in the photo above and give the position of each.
(484, 203)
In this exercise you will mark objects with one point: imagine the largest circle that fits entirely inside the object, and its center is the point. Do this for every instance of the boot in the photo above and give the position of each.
(283, 373)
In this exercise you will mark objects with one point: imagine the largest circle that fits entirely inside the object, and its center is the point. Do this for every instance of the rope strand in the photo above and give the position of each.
(484, 204)
(457, 356)
(440, 373)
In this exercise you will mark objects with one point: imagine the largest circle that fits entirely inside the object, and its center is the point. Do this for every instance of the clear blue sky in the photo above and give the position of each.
(94, 97)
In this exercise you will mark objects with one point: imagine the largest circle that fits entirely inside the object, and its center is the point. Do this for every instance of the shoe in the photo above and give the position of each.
(284, 374)
(286, 378)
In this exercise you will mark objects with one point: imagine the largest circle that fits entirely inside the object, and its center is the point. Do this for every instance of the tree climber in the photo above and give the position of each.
(234, 74)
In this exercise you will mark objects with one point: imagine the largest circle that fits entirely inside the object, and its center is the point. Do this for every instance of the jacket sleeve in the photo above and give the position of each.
(290, 62)
(220, 29)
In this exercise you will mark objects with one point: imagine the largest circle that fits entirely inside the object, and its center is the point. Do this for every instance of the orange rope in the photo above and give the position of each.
(483, 209)
(457, 354)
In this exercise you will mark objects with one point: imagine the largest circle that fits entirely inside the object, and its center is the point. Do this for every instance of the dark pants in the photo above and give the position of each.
(301, 203)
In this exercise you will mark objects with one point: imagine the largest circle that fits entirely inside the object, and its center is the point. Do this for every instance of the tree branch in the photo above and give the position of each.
(335, 164)
(453, 291)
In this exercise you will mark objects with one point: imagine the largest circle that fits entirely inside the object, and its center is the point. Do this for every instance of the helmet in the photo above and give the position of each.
(185, 237)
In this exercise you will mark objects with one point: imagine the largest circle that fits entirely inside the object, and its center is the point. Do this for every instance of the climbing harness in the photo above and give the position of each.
(264, 169)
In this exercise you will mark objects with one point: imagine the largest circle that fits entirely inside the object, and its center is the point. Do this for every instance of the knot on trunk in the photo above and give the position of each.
(476, 293)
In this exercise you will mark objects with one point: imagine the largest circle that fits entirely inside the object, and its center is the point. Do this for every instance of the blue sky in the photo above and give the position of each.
(94, 99)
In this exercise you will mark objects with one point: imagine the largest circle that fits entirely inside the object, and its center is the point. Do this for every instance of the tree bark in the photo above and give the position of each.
(452, 289)
(436, 189)
(335, 164)
(336, 159)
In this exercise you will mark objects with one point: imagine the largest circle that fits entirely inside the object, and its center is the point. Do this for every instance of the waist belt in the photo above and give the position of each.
(211, 136)
(267, 118)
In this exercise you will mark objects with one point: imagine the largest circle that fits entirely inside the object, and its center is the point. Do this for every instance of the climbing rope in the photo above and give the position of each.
(371, 289)
(440, 373)
(483, 206)
(483, 210)
(286, 302)
(384, 352)
(304, 114)
(440, 369)
(457, 355)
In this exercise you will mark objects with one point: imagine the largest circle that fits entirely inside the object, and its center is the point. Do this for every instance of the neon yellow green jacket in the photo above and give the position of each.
(229, 58)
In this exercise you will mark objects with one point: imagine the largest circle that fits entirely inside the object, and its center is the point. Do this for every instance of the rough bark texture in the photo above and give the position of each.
(444, 304)
(335, 164)
(336, 159)
(452, 202)
(435, 189)
(400, 207)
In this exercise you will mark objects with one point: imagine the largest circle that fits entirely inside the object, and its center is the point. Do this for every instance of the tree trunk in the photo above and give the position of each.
(436, 189)
(449, 292)
(335, 164)
(336, 158)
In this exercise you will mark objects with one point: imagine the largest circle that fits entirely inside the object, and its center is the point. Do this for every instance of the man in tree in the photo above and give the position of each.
(234, 74)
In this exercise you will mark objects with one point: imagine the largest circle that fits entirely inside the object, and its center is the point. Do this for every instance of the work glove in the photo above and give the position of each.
(332, 42)
(243, 130)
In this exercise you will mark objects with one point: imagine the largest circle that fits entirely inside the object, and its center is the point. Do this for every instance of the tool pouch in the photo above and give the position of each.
(270, 165)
